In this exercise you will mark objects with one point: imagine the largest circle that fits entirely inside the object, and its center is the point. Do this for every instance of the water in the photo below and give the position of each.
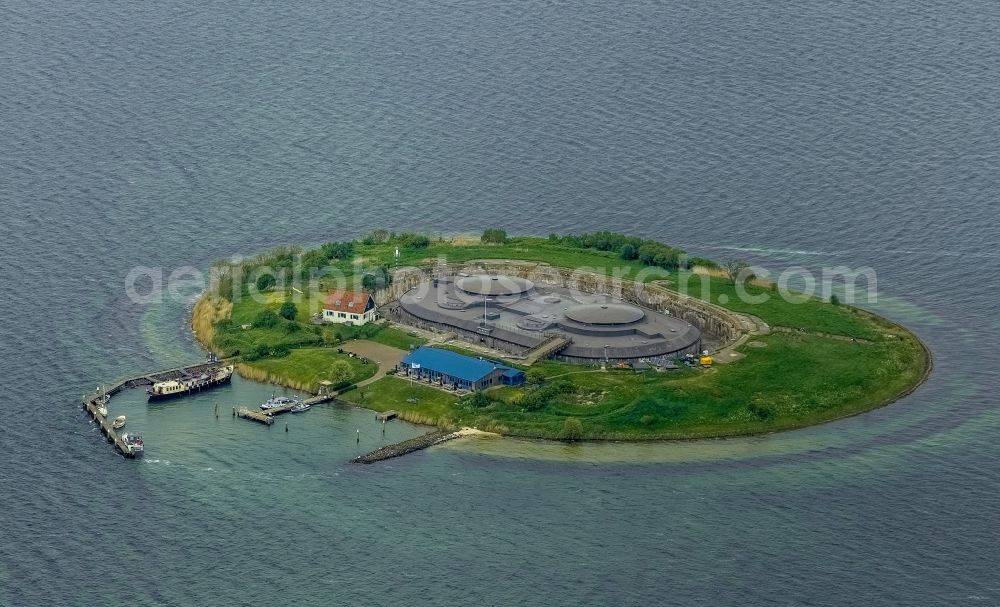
(173, 134)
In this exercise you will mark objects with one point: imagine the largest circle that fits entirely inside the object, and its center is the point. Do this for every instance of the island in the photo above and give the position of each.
(598, 336)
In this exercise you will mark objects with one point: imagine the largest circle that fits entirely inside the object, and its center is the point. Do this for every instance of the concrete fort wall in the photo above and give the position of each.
(720, 327)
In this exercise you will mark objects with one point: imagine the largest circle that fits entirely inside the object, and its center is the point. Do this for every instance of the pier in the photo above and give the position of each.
(91, 406)
(255, 415)
(109, 433)
(386, 415)
(267, 417)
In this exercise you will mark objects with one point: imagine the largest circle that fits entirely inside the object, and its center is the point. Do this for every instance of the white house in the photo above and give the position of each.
(349, 307)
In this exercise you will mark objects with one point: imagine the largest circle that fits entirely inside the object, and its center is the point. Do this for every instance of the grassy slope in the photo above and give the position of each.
(431, 406)
(304, 368)
(798, 379)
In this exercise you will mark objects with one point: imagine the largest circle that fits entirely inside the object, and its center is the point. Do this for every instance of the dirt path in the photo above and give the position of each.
(386, 357)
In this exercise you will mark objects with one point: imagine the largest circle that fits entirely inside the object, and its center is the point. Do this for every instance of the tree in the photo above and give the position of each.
(572, 429)
(265, 282)
(629, 251)
(288, 311)
(494, 236)
(737, 270)
(341, 372)
(376, 280)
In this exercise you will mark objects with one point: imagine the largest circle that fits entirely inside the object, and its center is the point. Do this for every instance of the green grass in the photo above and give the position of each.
(795, 381)
(528, 248)
(811, 314)
(304, 368)
(396, 338)
(429, 406)
(799, 378)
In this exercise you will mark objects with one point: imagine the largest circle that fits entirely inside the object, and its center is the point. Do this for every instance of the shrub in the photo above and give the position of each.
(376, 237)
(264, 351)
(629, 252)
(478, 399)
(265, 282)
(761, 412)
(534, 377)
(288, 311)
(341, 372)
(337, 250)
(410, 240)
(536, 399)
(572, 429)
(266, 320)
(494, 236)
(834, 300)
(703, 262)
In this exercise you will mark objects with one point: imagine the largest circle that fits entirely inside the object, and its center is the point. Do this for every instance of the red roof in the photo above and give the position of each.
(347, 301)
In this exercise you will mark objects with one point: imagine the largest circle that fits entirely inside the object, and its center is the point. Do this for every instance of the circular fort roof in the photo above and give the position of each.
(494, 285)
(605, 314)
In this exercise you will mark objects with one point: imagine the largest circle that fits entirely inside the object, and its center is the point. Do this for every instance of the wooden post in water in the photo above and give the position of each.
(359, 436)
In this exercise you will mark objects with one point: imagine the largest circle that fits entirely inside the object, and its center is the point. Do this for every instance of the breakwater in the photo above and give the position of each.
(407, 446)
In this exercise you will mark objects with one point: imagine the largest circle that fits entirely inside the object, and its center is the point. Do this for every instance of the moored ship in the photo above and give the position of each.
(181, 387)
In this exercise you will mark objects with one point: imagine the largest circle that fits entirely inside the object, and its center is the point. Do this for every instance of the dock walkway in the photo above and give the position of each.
(255, 415)
(267, 416)
(91, 407)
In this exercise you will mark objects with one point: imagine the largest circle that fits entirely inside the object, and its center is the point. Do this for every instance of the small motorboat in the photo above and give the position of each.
(134, 441)
(300, 407)
(119, 422)
(102, 403)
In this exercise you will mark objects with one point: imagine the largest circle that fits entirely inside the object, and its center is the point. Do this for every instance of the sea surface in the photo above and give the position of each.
(171, 134)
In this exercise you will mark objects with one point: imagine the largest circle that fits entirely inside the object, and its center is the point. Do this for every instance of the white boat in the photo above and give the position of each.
(119, 422)
(102, 403)
(275, 401)
(134, 441)
(300, 407)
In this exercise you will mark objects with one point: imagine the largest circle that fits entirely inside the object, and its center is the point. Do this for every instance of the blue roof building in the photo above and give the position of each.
(459, 371)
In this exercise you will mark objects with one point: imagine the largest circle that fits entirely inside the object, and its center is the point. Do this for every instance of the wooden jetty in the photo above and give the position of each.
(386, 415)
(407, 446)
(90, 401)
(313, 400)
(267, 416)
(257, 416)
